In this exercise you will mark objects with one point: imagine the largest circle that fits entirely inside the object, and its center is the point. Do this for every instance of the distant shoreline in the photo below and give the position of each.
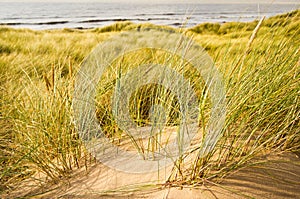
(129, 25)
(48, 16)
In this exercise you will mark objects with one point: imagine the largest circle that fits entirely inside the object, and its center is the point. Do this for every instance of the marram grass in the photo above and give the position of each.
(259, 62)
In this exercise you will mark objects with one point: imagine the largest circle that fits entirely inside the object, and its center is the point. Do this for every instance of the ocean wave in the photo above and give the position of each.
(33, 23)
(124, 19)
(160, 14)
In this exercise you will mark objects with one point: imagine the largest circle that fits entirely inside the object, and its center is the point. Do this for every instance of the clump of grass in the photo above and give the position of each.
(149, 26)
(258, 72)
(37, 80)
(116, 27)
(130, 26)
(42, 133)
(206, 28)
(262, 94)
(221, 29)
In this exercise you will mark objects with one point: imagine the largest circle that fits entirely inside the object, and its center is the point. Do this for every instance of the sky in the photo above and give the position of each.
(164, 1)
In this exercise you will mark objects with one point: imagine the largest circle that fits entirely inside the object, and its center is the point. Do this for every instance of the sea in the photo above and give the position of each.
(41, 16)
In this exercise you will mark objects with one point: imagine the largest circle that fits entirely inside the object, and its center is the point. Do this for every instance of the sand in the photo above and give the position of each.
(279, 178)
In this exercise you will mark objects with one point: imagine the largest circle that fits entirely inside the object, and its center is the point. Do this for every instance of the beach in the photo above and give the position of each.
(218, 98)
